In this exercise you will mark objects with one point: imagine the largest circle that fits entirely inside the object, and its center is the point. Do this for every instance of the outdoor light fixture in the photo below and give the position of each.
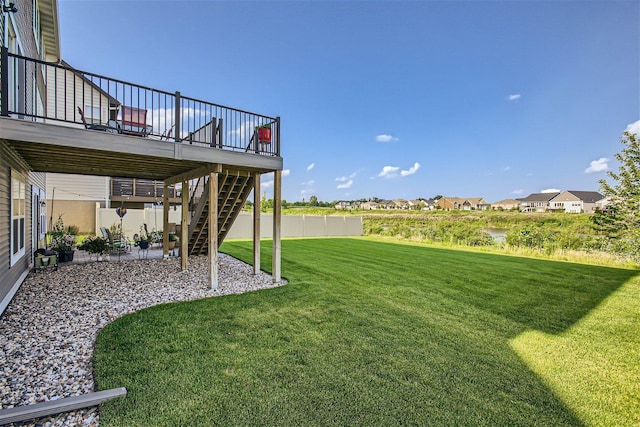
(11, 8)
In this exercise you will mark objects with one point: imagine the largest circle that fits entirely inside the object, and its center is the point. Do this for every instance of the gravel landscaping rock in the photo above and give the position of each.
(47, 333)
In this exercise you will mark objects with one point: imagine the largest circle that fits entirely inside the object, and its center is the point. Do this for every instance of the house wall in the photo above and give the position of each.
(74, 197)
(80, 213)
(66, 92)
(21, 23)
(589, 207)
(11, 276)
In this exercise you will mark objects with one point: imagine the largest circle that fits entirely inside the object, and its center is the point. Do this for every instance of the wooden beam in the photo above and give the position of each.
(184, 227)
(213, 230)
(256, 223)
(277, 216)
(195, 173)
(52, 407)
(165, 220)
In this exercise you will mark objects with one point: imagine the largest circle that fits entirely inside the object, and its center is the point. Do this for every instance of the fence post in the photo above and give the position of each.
(177, 117)
(4, 87)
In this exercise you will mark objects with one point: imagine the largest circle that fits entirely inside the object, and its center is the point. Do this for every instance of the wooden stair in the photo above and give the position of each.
(233, 191)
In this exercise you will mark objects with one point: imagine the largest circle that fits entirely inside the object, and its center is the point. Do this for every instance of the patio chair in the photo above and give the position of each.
(117, 244)
(166, 135)
(134, 121)
(95, 126)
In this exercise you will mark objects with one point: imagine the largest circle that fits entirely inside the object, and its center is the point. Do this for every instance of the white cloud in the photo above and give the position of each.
(385, 137)
(286, 172)
(392, 171)
(518, 191)
(598, 165)
(413, 169)
(514, 97)
(389, 172)
(308, 183)
(506, 169)
(266, 184)
(311, 166)
(345, 178)
(550, 190)
(634, 128)
(345, 185)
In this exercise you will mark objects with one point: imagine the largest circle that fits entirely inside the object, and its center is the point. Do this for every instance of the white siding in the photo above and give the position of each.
(66, 92)
(77, 187)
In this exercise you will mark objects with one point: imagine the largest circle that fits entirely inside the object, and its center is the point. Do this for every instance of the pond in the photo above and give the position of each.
(499, 234)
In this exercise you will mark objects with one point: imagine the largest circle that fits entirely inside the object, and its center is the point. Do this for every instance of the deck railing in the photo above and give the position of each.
(35, 90)
(132, 187)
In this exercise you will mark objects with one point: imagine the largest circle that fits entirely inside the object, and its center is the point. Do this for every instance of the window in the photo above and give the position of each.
(18, 217)
(92, 113)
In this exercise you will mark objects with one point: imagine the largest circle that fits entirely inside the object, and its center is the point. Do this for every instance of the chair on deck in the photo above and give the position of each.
(95, 126)
(134, 121)
(116, 245)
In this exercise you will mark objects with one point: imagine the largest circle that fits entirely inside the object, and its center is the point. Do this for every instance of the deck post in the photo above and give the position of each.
(277, 214)
(213, 230)
(184, 226)
(165, 220)
(256, 223)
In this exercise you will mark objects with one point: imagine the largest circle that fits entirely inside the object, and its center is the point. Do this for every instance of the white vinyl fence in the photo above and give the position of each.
(292, 225)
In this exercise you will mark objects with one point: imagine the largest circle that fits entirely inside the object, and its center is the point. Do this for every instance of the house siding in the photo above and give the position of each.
(21, 23)
(75, 198)
(66, 91)
(12, 275)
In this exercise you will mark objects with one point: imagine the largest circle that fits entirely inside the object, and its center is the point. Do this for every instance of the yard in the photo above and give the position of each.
(380, 333)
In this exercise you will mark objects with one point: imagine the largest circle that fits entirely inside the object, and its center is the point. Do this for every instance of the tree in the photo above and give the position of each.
(620, 220)
(313, 201)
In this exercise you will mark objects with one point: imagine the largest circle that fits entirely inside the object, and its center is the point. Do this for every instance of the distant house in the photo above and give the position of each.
(417, 205)
(603, 203)
(386, 204)
(370, 206)
(536, 202)
(447, 203)
(342, 205)
(575, 201)
(465, 204)
(429, 204)
(401, 204)
(478, 203)
(506, 204)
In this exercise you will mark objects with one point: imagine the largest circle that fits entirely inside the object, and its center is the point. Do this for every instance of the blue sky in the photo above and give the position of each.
(393, 99)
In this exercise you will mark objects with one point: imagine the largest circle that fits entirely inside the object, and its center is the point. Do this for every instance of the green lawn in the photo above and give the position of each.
(375, 333)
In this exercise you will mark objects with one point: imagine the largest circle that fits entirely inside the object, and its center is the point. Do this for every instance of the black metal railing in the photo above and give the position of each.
(35, 90)
(132, 187)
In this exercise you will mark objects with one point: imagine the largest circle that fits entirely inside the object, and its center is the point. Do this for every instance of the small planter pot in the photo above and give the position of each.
(264, 135)
(66, 256)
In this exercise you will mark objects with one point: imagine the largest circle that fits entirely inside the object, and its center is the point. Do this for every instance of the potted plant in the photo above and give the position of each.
(95, 246)
(143, 239)
(62, 240)
(172, 240)
(264, 134)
